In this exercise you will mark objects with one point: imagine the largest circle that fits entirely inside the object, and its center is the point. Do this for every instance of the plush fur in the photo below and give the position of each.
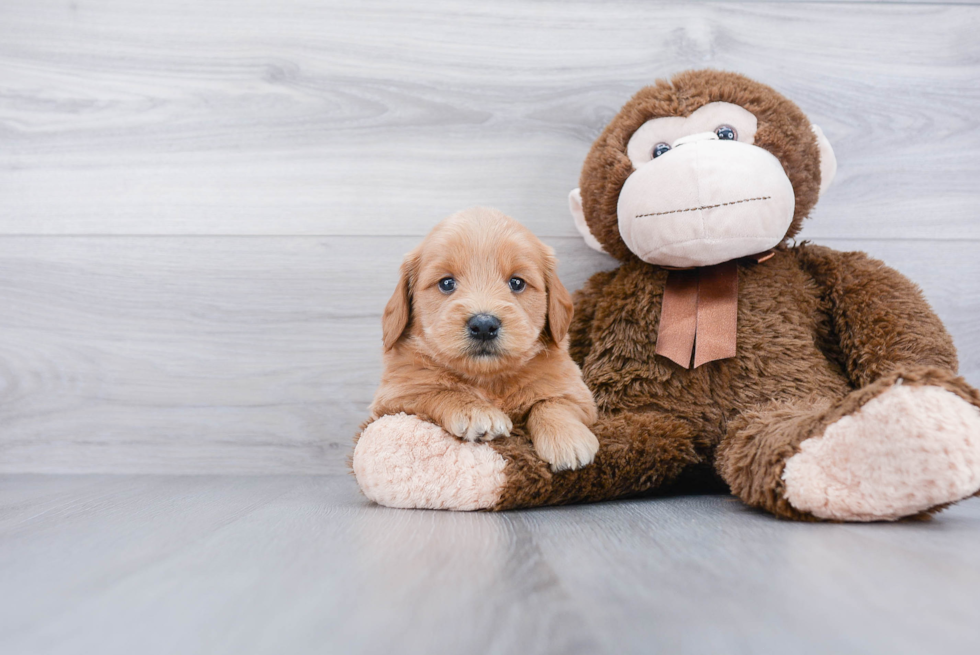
(829, 346)
(403, 461)
(905, 451)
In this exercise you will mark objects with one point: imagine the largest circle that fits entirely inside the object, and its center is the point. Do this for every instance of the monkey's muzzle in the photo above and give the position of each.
(705, 202)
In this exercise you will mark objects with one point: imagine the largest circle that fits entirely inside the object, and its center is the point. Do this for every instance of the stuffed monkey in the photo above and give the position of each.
(815, 384)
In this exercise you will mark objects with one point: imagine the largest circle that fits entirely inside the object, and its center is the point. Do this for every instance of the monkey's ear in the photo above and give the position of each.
(575, 205)
(398, 311)
(828, 161)
(560, 306)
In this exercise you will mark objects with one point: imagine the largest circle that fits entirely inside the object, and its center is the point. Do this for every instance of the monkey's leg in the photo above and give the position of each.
(904, 445)
(401, 461)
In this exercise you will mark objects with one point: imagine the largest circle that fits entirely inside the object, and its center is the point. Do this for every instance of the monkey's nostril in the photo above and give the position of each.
(483, 327)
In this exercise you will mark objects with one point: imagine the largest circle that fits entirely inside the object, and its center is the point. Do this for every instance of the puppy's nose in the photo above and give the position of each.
(483, 327)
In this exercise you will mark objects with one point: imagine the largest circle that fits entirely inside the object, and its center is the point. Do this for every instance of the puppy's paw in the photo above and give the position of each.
(478, 423)
(566, 445)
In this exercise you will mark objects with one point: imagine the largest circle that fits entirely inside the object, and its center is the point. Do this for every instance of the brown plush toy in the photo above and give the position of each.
(816, 384)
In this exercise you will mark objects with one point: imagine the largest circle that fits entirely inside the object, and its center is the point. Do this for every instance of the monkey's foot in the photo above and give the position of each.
(403, 461)
(906, 451)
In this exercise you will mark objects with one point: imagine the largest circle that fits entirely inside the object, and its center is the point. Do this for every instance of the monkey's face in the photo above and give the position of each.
(702, 172)
(700, 192)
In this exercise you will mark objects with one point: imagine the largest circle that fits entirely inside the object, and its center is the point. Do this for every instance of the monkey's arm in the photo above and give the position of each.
(403, 461)
(586, 298)
(882, 321)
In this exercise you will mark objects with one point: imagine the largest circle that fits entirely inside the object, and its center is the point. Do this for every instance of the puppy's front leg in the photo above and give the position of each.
(560, 435)
(466, 416)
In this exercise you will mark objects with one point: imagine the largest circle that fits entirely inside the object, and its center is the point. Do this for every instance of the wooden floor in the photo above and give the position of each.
(303, 564)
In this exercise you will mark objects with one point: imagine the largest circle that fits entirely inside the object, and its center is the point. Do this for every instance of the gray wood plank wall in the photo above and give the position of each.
(203, 206)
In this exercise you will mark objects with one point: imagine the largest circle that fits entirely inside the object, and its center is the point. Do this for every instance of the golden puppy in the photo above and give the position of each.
(474, 340)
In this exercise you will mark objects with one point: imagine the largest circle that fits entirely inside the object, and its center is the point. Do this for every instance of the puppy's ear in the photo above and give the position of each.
(398, 311)
(559, 301)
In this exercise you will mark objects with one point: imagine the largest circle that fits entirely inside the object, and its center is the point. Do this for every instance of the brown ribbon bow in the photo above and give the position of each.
(699, 316)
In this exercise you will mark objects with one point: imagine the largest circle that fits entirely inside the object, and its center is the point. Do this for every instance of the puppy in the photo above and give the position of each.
(475, 340)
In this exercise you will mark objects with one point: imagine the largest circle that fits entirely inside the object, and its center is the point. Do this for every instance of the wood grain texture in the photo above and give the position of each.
(250, 355)
(307, 118)
(202, 206)
(194, 354)
(203, 564)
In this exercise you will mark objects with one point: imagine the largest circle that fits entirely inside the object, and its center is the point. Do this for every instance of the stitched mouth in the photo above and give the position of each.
(694, 209)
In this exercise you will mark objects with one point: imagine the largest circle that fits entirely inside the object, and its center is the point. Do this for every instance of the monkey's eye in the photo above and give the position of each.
(726, 133)
(447, 285)
(660, 149)
(517, 284)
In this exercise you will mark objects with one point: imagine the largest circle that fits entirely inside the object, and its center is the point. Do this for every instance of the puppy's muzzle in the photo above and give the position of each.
(483, 327)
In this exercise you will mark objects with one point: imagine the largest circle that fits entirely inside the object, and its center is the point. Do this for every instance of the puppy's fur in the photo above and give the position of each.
(435, 368)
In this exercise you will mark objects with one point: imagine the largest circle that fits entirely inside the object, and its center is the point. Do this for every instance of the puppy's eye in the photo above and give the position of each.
(447, 285)
(660, 149)
(517, 284)
(726, 133)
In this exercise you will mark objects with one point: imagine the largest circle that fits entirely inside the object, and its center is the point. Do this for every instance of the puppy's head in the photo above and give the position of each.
(479, 295)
